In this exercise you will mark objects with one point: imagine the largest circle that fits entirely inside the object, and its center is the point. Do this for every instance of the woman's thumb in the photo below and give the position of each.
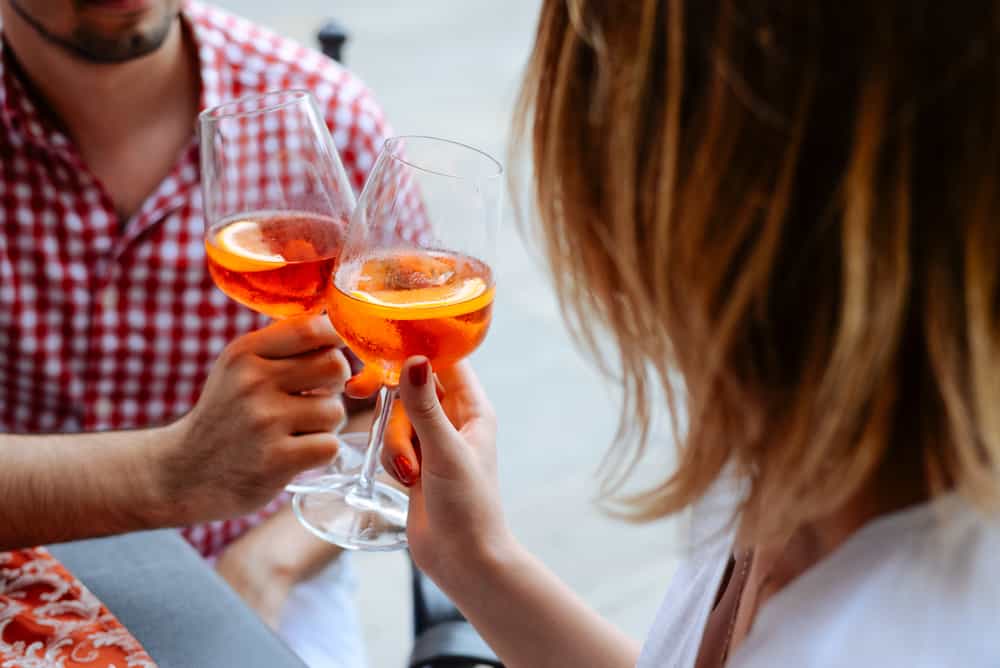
(417, 391)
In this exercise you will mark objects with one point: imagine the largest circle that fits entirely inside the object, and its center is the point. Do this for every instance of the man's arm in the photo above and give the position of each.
(256, 425)
(62, 487)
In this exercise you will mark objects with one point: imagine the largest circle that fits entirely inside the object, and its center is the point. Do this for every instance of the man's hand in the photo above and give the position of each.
(257, 424)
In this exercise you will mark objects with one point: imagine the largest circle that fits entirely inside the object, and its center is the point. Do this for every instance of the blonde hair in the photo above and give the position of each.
(794, 207)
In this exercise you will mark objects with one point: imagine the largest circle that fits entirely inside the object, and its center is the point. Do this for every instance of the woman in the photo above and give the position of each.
(793, 208)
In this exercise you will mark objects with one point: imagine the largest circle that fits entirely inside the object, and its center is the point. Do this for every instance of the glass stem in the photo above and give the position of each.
(365, 484)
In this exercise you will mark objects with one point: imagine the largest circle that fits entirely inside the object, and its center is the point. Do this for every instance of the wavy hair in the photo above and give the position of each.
(793, 208)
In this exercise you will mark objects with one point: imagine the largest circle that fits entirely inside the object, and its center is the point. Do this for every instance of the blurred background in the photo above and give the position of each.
(452, 69)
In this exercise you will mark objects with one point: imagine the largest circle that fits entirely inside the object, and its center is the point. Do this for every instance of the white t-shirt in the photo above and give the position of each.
(916, 588)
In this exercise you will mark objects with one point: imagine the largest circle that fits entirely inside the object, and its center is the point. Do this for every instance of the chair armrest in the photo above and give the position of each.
(443, 636)
(173, 602)
(452, 645)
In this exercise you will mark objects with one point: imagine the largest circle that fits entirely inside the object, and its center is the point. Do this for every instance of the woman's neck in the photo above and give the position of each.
(775, 565)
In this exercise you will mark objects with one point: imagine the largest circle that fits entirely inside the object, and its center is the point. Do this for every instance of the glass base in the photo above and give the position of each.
(346, 465)
(338, 515)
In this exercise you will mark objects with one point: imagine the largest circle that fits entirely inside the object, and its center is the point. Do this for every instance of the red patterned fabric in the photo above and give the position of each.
(114, 324)
(48, 619)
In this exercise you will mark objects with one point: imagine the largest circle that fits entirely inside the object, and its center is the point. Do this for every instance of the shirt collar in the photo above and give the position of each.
(19, 110)
(216, 79)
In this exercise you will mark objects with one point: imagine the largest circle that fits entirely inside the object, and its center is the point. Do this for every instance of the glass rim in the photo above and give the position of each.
(387, 146)
(286, 97)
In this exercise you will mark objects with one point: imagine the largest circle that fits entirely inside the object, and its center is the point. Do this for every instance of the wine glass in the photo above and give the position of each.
(415, 277)
(277, 202)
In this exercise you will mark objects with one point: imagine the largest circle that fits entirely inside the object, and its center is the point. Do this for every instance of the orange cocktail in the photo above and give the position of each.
(278, 264)
(397, 304)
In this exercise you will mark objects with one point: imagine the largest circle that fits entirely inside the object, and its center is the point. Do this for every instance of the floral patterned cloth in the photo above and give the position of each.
(48, 619)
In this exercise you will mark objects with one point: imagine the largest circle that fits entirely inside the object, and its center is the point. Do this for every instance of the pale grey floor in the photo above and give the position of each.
(451, 68)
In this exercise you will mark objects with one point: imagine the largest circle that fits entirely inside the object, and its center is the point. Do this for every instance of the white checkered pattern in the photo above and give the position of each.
(112, 324)
(265, 155)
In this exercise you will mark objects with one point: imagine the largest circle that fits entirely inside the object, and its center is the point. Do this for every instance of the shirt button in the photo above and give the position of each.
(109, 298)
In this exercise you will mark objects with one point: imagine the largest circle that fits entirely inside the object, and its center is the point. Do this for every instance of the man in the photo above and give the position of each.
(109, 318)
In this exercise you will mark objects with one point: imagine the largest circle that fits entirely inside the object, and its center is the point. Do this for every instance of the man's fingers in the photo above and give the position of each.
(294, 336)
(314, 413)
(309, 451)
(324, 368)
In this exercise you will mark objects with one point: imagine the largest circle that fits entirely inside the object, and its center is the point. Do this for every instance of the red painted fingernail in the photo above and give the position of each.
(404, 470)
(418, 374)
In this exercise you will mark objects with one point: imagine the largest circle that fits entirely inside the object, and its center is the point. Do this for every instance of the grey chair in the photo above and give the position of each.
(443, 638)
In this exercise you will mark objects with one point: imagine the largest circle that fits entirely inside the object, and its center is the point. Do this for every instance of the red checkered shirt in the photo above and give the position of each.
(112, 324)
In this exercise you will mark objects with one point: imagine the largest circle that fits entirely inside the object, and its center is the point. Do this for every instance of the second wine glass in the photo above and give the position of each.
(415, 277)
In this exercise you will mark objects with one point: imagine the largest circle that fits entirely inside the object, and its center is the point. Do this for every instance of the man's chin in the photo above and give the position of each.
(103, 53)
(115, 31)
(110, 31)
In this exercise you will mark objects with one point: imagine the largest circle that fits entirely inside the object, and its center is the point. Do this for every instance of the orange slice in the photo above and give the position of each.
(436, 302)
(241, 246)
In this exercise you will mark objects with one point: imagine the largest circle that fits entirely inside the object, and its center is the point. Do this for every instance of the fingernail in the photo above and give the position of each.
(404, 470)
(418, 374)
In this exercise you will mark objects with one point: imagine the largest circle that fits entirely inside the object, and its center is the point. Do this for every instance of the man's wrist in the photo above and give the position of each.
(162, 504)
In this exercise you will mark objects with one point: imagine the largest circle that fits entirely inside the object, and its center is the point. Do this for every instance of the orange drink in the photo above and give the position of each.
(394, 305)
(277, 263)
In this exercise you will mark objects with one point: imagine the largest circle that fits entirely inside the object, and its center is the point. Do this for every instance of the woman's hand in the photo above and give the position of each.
(444, 450)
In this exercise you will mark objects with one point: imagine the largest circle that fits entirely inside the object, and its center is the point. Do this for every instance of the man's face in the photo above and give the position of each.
(101, 31)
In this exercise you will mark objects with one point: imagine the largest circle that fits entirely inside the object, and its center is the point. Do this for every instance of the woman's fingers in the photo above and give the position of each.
(400, 452)
(420, 432)
(440, 443)
(364, 384)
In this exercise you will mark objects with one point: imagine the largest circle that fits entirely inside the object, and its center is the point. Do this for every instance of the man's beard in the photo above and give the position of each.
(92, 47)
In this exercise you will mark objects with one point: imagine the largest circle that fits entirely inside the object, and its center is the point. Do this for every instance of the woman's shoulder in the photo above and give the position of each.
(918, 585)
